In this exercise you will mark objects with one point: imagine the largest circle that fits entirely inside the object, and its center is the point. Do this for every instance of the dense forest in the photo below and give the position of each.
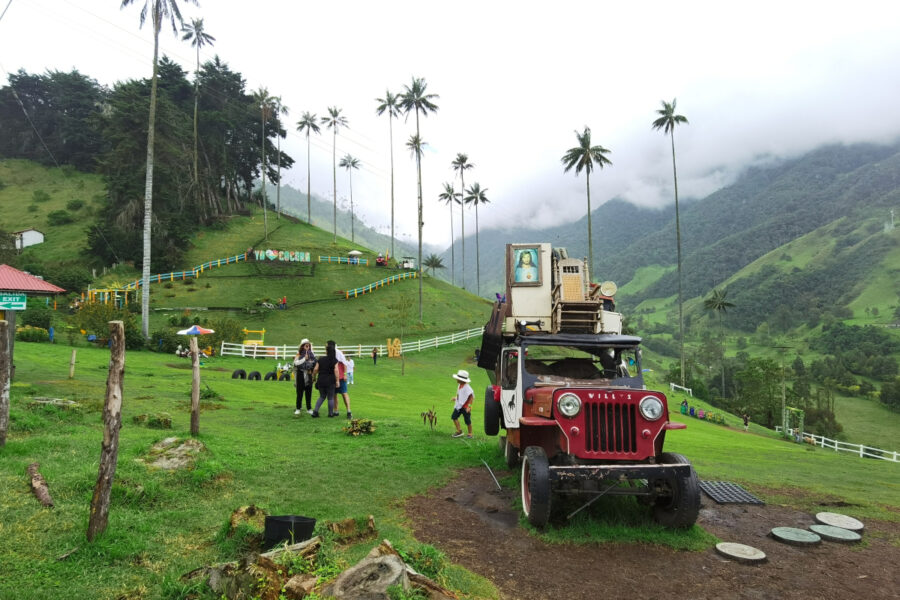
(69, 119)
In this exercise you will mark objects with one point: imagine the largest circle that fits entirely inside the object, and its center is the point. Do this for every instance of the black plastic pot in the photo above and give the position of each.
(289, 528)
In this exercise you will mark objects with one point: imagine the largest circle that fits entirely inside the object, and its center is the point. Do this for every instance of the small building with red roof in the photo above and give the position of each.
(18, 282)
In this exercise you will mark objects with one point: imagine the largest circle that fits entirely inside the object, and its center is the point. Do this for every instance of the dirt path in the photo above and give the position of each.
(477, 527)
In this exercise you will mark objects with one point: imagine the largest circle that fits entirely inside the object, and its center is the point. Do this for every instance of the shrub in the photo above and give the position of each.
(32, 334)
(165, 340)
(59, 217)
(32, 207)
(71, 278)
(358, 427)
(40, 196)
(37, 315)
(95, 318)
(154, 421)
(74, 204)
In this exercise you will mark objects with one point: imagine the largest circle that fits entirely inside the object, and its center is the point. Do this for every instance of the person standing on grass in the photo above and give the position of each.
(326, 375)
(746, 422)
(350, 366)
(375, 355)
(462, 402)
(304, 363)
(283, 302)
(343, 366)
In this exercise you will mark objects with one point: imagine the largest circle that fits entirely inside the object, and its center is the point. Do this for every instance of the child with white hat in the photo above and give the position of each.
(462, 402)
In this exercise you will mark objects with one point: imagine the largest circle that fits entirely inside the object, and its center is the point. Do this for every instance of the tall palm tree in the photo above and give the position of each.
(309, 123)
(433, 261)
(334, 121)
(159, 10)
(415, 98)
(266, 103)
(461, 164)
(279, 109)
(719, 303)
(390, 104)
(475, 195)
(350, 163)
(198, 38)
(585, 157)
(450, 197)
(666, 122)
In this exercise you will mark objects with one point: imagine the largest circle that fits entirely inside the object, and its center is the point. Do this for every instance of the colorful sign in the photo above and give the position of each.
(12, 301)
(282, 255)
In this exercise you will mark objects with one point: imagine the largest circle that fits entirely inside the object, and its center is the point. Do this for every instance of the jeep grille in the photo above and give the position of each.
(610, 427)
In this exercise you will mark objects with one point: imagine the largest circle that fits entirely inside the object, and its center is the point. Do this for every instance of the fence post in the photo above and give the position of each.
(195, 387)
(72, 364)
(4, 381)
(112, 423)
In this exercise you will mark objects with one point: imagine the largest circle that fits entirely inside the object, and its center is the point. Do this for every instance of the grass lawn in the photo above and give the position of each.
(165, 524)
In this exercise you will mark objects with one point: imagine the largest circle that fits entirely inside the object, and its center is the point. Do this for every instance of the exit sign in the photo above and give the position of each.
(12, 301)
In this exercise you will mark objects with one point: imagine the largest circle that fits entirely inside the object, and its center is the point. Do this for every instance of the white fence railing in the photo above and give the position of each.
(285, 352)
(839, 446)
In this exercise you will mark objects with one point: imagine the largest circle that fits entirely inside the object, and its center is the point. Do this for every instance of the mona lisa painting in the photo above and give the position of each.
(526, 264)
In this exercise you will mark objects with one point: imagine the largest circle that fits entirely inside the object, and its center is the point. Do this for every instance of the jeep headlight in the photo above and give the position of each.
(651, 407)
(569, 404)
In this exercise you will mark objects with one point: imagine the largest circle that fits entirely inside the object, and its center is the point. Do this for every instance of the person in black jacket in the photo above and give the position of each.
(304, 363)
(326, 375)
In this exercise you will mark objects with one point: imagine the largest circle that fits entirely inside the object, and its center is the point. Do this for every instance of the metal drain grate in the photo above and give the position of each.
(724, 492)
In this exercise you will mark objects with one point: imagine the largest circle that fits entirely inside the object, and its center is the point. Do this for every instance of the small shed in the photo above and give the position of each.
(28, 237)
(14, 281)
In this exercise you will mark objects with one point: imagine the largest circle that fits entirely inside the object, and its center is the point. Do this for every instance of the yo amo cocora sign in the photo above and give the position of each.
(282, 255)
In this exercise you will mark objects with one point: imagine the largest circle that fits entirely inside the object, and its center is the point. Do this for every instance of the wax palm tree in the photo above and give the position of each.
(390, 104)
(719, 303)
(475, 195)
(415, 98)
(159, 11)
(461, 164)
(198, 38)
(450, 197)
(266, 103)
(334, 121)
(350, 163)
(279, 109)
(433, 261)
(308, 123)
(585, 157)
(666, 122)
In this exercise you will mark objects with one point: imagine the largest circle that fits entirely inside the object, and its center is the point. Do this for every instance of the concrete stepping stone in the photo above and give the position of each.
(839, 520)
(741, 552)
(795, 537)
(835, 534)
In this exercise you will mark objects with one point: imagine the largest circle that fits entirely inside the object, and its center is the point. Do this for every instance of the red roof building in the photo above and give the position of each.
(14, 280)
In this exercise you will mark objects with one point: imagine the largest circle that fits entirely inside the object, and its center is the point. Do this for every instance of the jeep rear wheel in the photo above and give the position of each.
(536, 486)
(491, 412)
(681, 508)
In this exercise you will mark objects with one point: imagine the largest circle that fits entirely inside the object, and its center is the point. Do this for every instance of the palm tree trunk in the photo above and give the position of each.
(196, 102)
(334, 179)
(462, 225)
(308, 199)
(477, 255)
(419, 265)
(452, 253)
(262, 121)
(391, 134)
(678, 244)
(278, 189)
(148, 183)
(590, 231)
(352, 233)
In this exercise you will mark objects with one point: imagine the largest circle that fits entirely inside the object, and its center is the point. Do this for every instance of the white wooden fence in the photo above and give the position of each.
(285, 352)
(838, 446)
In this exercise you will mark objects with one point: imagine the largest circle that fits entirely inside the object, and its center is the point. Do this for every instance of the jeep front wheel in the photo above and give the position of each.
(681, 508)
(536, 486)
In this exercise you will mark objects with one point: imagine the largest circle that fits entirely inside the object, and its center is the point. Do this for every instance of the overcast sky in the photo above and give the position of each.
(756, 80)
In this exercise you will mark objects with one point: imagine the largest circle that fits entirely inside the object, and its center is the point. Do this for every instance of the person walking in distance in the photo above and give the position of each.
(343, 366)
(463, 399)
(375, 355)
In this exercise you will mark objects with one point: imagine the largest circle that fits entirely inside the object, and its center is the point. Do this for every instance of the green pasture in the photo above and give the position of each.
(165, 524)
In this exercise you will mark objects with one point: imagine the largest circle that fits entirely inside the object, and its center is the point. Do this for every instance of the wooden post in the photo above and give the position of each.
(112, 422)
(195, 387)
(72, 364)
(4, 382)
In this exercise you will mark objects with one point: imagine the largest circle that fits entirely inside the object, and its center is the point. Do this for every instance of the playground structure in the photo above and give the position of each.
(115, 296)
(254, 342)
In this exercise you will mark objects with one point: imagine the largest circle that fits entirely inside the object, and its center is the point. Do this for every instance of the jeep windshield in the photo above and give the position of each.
(605, 360)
